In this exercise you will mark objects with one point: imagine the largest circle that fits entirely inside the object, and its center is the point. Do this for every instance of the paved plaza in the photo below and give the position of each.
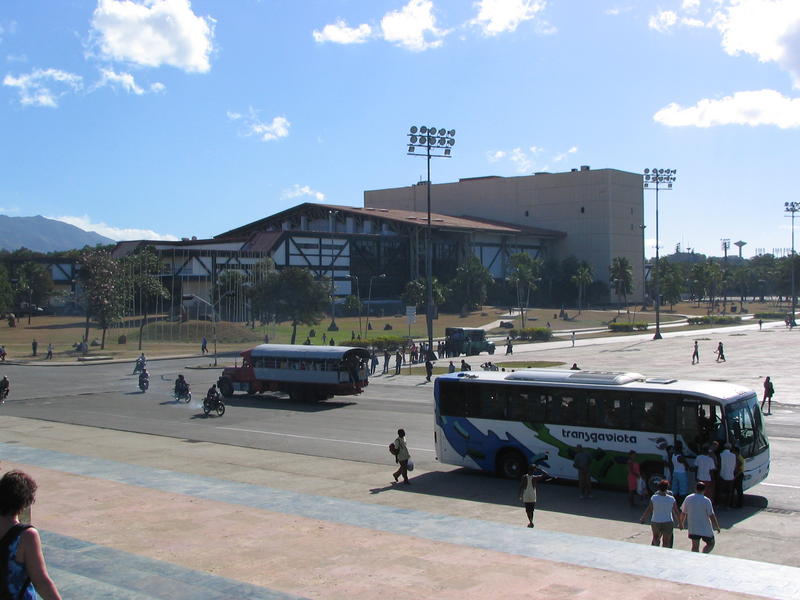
(131, 515)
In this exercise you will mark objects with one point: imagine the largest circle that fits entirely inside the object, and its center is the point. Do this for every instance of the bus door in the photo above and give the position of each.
(699, 422)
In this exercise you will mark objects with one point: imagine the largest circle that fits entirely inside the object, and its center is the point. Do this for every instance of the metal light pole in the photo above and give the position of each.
(332, 221)
(369, 302)
(358, 296)
(661, 179)
(792, 207)
(437, 144)
(213, 315)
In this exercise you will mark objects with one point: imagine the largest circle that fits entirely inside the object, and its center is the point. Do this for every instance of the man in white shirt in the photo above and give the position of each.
(706, 465)
(727, 475)
(664, 511)
(697, 515)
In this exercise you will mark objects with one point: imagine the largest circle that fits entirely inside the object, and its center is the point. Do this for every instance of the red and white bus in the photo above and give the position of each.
(303, 372)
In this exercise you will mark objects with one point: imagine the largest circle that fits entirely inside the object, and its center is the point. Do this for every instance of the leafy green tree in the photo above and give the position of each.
(103, 288)
(6, 291)
(672, 285)
(352, 305)
(621, 273)
(583, 278)
(524, 276)
(265, 297)
(468, 289)
(415, 293)
(34, 283)
(300, 299)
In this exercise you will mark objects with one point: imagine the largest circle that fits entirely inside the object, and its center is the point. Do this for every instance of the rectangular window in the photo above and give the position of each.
(493, 402)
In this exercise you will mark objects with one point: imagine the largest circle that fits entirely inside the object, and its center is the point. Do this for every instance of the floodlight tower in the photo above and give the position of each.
(658, 179)
(792, 208)
(437, 143)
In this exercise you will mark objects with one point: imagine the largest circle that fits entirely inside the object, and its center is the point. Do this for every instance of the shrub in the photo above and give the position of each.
(714, 320)
(770, 315)
(537, 334)
(628, 326)
(380, 343)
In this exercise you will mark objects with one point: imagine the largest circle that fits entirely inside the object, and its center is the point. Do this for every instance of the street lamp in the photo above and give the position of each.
(332, 214)
(369, 302)
(213, 314)
(437, 143)
(358, 296)
(658, 179)
(792, 207)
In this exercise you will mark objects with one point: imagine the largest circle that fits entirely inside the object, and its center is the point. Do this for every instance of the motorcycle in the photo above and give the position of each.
(213, 403)
(183, 396)
(139, 366)
(144, 383)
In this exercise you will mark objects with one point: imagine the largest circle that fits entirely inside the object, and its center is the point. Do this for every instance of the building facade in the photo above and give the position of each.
(600, 211)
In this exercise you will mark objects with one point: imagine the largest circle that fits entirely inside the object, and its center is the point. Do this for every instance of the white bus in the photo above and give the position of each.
(303, 372)
(501, 422)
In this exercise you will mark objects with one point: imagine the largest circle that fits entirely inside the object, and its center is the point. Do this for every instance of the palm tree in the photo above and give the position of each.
(582, 278)
(524, 275)
(621, 273)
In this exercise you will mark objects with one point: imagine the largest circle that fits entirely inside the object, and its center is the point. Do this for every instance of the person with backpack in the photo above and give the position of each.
(401, 456)
(22, 567)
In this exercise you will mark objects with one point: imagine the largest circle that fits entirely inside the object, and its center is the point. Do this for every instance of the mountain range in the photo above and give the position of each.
(45, 235)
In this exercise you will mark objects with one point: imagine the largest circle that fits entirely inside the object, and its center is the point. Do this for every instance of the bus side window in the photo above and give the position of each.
(451, 399)
(492, 402)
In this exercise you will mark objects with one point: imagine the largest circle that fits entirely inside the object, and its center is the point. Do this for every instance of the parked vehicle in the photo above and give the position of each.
(461, 340)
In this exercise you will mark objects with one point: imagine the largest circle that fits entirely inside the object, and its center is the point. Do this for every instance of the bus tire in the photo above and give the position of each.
(511, 464)
(491, 350)
(226, 387)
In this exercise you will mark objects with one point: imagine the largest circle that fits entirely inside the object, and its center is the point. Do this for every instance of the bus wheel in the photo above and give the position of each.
(511, 464)
(491, 350)
(225, 388)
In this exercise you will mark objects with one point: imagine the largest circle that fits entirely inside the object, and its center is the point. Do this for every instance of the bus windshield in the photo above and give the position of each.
(746, 427)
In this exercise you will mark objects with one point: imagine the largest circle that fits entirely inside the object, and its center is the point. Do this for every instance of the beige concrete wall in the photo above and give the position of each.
(601, 211)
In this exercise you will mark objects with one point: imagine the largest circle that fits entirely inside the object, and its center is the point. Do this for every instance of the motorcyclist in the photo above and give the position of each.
(181, 386)
(5, 387)
(144, 377)
(213, 395)
(140, 363)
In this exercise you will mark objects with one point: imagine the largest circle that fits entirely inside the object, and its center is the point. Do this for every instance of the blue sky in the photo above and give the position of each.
(148, 118)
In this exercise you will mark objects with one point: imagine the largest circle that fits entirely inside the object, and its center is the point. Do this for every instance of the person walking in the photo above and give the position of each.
(509, 347)
(727, 476)
(398, 362)
(737, 496)
(49, 352)
(428, 368)
(527, 490)
(769, 390)
(573, 339)
(25, 569)
(720, 353)
(760, 323)
(583, 464)
(402, 457)
(386, 357)
(697, 515)
(204, 345)
(695, 353)
(663, 513)
(680, 472)
(34, 346)
(373, 362)
(706, 466)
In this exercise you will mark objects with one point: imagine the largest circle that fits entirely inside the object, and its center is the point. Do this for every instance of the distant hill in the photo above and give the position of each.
(45, 235)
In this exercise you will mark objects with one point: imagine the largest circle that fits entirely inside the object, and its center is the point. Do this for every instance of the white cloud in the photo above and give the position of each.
(124, 81)
(496, 155)
(562, 155)
(152, 33)
(663, 21)
(521, 160)
(297, 190)
(277, 128)
(690, 6)
(36, 87)
(760, 107)
(526, 161)
(115, 233)
(340, 33)
(767, 29)
(408, 26)
(498, 16)
(157, 87)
